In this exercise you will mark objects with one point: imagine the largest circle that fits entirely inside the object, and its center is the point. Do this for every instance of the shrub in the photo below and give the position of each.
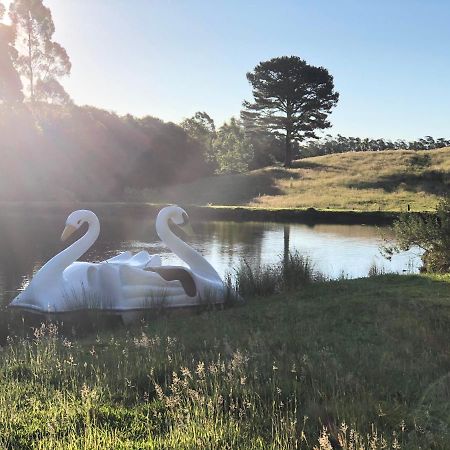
(429, 232)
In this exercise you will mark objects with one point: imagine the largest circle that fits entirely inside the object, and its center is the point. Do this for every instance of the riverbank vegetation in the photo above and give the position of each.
(369, 181)
(431, 233)
(341, 364)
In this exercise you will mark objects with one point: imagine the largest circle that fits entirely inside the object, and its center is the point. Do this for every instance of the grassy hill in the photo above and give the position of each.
(370, 181)
(271, 374)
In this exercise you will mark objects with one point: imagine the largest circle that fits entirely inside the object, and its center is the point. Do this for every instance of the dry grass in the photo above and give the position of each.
(370, 181)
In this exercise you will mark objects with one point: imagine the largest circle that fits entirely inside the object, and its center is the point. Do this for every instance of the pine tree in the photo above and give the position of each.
(291, 99)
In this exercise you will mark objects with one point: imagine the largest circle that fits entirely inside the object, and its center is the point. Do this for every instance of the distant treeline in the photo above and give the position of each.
(51, 152)
(342, 144)
(66, 152)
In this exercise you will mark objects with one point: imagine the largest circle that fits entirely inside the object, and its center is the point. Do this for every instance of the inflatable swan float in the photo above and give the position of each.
(121, 284)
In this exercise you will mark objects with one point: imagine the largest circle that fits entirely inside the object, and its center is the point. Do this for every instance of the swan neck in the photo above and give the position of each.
(194, 260)
(69, 255)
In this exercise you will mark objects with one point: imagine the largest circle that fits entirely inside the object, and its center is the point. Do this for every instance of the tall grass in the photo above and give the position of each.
(141, 392)
(291, 272)
(351, 364)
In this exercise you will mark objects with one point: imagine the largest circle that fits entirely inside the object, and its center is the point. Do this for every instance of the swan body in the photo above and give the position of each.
(170, 286)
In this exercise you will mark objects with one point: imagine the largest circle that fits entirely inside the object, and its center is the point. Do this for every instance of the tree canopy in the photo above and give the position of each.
(10, 84)
(232, 149)
(291, 99)
(41, 61)
(201, 127)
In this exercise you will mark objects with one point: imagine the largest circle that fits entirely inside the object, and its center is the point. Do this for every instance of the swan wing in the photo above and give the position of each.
(155, 261)
(140, 260)
(121, 258)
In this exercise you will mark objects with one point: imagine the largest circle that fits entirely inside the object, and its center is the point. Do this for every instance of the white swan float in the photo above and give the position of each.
(64, 278)
(121, 284)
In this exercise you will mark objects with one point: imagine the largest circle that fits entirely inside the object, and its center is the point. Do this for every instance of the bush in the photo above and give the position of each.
(429, 232)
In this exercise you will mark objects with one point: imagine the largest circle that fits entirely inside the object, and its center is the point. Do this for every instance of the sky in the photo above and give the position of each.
(170, 58)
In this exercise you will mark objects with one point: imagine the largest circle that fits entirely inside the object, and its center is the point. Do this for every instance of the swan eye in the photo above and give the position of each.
(185, 219)
(78, 223)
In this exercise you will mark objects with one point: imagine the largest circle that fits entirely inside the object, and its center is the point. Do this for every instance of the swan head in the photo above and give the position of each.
(179, 217)
(75, 220)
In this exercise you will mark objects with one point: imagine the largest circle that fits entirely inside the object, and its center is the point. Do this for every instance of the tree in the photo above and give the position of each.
(291, 99)
(10, 84)
(232, 149)
(201, 127)
(41, 61)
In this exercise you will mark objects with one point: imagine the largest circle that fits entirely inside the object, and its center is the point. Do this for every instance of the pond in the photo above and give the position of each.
(28, 240)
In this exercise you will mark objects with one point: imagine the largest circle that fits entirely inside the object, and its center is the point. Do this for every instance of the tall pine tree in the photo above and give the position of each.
(41, 61)
(292, 99)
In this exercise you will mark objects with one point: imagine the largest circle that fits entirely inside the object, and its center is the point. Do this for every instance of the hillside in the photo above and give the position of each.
(370, 181)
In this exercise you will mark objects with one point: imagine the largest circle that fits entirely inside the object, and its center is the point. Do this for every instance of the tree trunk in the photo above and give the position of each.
(286, 235)
(288, 149)
(30, 63)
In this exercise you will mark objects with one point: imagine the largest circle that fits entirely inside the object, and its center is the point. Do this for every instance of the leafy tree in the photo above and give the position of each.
(10, 84)
(431, 233)
(267, 148)
(291, 99)
(232, 148)
(41, 61)
(201, 127)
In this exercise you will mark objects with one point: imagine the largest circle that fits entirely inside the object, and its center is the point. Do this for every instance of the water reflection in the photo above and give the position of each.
(27, 241)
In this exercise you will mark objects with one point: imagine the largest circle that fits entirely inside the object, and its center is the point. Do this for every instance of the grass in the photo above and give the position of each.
(351, 364)
(364, 181)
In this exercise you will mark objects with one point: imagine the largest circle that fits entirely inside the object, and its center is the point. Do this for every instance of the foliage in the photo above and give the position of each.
(41, 61)
(291, 99)
(232, 149)
(201, 127)
(267, 148)
(342, 144)
(84, 153)
(319, 367)
(431, 233)
(10, 84)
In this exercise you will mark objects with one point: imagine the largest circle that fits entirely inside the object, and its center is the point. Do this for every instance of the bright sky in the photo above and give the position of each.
(169, 58)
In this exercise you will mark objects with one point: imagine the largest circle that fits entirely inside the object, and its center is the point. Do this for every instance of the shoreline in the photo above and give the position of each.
(227, 213)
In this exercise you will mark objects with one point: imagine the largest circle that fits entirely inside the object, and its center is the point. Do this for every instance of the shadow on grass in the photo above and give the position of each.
(234, 189)
(431, 182)
(302, 164)
(283, 174)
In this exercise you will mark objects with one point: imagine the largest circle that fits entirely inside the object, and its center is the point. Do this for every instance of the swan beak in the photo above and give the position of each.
(187, 229)
(68, 231)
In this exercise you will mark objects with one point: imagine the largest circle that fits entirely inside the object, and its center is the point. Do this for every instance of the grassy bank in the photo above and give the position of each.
(149, 211)
(365, 181)
(275, 373)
